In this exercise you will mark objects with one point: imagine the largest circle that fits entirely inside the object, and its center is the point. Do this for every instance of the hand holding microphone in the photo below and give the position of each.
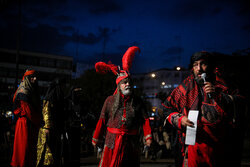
(209, 87)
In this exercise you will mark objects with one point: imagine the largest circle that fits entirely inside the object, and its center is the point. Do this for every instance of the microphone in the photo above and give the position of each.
(203, 76)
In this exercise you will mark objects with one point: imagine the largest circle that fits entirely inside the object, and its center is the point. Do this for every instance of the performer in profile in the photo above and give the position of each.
(28, 112)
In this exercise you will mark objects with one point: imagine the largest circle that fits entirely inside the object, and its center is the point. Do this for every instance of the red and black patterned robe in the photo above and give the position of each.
(122, 145)
(214, 121)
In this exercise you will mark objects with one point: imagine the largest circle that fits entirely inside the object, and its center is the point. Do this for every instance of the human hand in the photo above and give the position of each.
(209, 87)
(148, 142)
(186, 122)
(46, 131)
(94, 144)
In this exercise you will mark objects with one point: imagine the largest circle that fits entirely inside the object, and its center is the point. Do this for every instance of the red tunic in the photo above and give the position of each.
(26, 133)
(122, 133)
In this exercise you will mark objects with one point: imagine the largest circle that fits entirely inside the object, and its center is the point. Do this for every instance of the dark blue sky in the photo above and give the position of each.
(167, 31)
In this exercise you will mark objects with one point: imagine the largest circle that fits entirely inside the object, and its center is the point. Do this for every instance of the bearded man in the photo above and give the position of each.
(27, 109)
(122, 116)
(215, 103)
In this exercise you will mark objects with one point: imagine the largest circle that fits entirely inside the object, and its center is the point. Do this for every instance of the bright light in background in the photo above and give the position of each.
(178, 68)
(153, 75)
(8, 114)
(163, 83)
(151, 118)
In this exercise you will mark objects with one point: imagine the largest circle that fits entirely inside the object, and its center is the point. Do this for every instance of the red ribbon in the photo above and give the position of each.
(30, 72)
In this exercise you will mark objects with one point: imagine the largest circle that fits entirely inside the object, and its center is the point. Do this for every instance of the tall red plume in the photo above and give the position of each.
(128, 57)
(103, 68)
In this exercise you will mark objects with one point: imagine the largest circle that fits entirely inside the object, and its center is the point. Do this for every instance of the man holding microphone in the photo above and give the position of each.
(205, 92)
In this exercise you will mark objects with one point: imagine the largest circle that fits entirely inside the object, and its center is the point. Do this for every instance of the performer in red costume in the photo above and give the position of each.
(28, 111)
(122, 116)
(215, 103)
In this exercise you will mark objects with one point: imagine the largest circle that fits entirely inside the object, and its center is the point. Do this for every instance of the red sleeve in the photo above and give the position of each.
(101, 124)
(169, 118)
(173, 110)
(99, 131)
(147, 129)
(32, 115)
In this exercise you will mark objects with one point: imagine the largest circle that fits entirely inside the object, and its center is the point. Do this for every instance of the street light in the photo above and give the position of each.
(153, 75)
(163, 83)
(178, 68)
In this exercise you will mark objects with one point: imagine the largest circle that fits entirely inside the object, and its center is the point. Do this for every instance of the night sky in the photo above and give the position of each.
(167, 31)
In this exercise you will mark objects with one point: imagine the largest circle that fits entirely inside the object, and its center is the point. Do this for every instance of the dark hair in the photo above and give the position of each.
(201, 55)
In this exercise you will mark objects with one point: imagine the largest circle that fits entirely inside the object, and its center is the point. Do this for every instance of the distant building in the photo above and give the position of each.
(48, 67)
(157, 82)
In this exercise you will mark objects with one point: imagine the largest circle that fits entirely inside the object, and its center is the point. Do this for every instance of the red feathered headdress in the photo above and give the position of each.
(127, 60)
(128, 57)
(103, 68)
